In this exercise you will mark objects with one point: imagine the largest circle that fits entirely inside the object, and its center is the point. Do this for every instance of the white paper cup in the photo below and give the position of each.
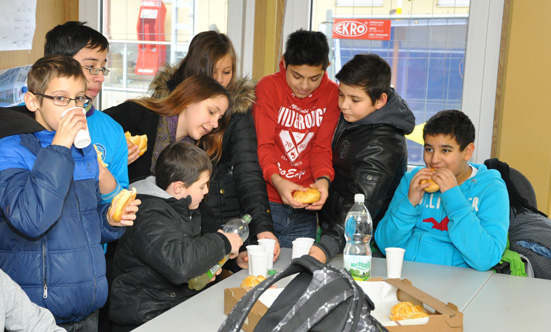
(251, 248)
(300, 248)
(82, 139)
(268, 245)
(259, 263)
(394, 262)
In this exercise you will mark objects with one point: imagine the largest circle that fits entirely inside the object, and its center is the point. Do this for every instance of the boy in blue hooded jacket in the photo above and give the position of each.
(466, 222)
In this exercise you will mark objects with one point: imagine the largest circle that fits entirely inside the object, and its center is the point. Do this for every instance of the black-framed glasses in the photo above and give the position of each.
(80, 101)
(96, 71)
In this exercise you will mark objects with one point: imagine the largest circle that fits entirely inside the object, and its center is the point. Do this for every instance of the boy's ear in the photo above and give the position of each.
(469, 150)
(31, 101)
(379, 103)
(284, 64)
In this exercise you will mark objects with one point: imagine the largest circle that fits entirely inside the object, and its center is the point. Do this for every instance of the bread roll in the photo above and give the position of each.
(138, 140)
(252, 281)
(433, 186)
(120, 202)
(311, 195)
(407, 310)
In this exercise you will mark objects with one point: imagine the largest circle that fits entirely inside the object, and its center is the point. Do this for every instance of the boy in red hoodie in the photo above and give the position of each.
(295, 115)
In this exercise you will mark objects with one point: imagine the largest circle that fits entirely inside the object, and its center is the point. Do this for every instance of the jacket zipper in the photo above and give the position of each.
(44, 279)
(89, 254)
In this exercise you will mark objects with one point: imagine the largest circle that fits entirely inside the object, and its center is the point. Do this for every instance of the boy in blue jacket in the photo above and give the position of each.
(52, 222)
(466, 222)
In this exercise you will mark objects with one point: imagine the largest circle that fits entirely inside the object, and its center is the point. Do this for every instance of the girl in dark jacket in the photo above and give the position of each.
(369, 148)
(236, 186)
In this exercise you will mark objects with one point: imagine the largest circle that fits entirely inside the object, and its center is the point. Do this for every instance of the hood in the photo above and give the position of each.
(18, 120)
(148, 186)
(162, 85)
(395, 113)
(242, 91)
(311, 98)
(243, 95)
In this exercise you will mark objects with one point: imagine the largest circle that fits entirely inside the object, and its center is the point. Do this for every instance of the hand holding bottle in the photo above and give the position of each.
(235, 241)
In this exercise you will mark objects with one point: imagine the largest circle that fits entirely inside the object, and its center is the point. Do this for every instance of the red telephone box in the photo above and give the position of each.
(151, 27)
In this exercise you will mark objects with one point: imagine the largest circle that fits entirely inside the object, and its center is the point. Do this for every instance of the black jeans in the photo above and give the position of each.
(88, 324)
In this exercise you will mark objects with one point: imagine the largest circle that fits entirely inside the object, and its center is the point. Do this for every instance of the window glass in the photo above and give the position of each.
(423, 43)
(145, 34)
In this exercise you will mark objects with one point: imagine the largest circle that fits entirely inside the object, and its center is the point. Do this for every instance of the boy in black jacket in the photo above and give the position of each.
(165, 248)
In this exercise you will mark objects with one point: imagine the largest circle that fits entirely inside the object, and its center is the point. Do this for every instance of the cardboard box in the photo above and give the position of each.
(446, 317)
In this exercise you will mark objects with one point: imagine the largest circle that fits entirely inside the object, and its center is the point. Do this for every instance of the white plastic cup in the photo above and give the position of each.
(394, 262)
(251, 248)
(300, 248)
(268, 245)
(82, 138)
(259, 263)
(306, 239)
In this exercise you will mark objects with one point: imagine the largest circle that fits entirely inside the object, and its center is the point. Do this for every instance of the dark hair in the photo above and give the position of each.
(49, 67)
(69, 38)
(205, 49)
(307, 48)
(193, 90)
(369, 72)
(181, 161)
(454, 123)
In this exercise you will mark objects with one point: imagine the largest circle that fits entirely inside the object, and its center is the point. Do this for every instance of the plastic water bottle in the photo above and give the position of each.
(235, 225)
(358, 230)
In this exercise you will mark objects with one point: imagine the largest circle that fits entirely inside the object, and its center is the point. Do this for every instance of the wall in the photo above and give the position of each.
(49, 13)
(524, 123)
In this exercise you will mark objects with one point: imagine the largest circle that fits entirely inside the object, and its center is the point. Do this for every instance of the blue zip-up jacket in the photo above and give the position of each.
(52, 224)
(466, 225)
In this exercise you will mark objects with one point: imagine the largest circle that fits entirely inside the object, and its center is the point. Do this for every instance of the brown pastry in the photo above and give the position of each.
(407, 310)
(311, 195)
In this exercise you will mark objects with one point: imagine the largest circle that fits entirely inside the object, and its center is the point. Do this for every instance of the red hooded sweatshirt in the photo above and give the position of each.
(294, 134)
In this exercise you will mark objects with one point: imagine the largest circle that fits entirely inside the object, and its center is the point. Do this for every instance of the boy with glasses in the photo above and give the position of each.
(52, 220)
(90, 49)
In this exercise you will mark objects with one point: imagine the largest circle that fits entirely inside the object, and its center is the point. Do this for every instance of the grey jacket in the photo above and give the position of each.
(18, 313)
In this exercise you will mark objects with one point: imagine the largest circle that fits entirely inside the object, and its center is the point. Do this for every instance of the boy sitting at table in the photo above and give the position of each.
(155, 259)
(465, 222)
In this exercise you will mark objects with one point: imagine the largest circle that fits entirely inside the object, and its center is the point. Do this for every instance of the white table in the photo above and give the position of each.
(508, 303)
(205, 311)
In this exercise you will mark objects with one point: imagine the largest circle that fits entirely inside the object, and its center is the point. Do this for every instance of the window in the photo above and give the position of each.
(144, 34)
(434, 68)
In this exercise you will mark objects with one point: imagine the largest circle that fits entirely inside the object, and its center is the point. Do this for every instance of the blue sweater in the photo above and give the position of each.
(465, 226)
(52, 224)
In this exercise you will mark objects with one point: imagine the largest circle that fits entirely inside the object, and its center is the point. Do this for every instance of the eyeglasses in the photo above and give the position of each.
(95, 71)
(80, 101)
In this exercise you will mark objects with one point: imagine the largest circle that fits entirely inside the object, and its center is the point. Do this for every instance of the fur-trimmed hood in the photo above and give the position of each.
(242, 91)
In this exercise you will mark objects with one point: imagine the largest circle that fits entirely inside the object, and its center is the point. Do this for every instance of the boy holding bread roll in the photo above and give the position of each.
(465, 222)
(52, 220)
(295, 116)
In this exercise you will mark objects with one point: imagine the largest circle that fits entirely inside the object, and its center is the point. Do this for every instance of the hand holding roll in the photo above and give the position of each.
(311, 195)
(433, 187)
(119, 206)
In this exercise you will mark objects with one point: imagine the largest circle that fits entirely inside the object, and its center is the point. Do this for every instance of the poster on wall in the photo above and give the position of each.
(17, 24)
(352, 28)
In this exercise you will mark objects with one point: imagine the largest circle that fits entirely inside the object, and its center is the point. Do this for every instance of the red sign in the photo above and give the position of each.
(350, 28)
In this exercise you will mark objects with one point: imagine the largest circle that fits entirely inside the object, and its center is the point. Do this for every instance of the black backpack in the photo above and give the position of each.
(320, 298)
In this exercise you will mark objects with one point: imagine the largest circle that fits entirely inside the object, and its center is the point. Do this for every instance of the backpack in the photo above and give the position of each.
(320, 298)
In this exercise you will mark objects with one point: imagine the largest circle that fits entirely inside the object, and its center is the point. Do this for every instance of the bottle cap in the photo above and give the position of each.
(247, 218)
(359, 198)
